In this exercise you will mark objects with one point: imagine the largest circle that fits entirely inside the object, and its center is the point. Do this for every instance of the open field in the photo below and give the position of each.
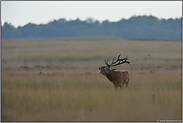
(58, 80)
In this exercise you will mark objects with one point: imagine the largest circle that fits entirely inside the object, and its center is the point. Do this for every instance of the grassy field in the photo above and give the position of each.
(58, 80)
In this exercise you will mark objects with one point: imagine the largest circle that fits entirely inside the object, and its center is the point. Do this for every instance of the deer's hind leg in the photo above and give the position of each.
(127, 83)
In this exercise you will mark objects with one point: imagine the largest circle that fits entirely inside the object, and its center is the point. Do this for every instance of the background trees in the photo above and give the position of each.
(136, 27)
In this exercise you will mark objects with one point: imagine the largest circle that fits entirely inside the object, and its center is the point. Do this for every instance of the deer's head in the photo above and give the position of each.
(107, 69)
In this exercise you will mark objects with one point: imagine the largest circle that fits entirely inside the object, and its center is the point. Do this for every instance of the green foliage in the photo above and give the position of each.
(8, 31)
(137, 27)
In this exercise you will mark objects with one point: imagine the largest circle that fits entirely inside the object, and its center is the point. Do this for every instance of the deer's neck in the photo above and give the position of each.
(110, 74)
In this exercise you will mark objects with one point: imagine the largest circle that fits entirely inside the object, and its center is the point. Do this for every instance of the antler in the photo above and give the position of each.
(106, 62)
(118, 61)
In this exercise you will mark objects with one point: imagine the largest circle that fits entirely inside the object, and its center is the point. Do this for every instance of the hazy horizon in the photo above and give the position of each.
(20, 13)
(84, 20)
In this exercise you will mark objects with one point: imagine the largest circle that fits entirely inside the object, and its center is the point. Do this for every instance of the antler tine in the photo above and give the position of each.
(116, 60)
(112, 60)
(126, 61)
(119, 56)
(124, 58)
(106, 62)
(122, 62)
(129, 62)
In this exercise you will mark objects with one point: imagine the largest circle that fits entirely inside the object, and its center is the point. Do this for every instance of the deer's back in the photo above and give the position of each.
(119, 77)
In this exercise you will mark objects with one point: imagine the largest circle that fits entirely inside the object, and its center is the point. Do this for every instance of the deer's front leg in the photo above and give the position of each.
(122, 86)
(116, 86)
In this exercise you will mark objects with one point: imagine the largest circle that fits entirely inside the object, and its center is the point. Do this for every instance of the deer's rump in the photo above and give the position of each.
(125, 77)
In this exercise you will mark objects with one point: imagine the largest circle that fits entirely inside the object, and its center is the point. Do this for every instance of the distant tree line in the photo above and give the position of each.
(136, 27)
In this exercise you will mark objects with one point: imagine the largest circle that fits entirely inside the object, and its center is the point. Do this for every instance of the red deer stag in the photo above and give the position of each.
(118, 78)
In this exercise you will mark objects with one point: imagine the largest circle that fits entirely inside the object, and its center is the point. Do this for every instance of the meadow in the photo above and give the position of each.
(57, 79)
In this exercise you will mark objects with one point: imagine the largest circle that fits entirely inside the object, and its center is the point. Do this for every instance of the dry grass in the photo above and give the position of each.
(57, 80)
